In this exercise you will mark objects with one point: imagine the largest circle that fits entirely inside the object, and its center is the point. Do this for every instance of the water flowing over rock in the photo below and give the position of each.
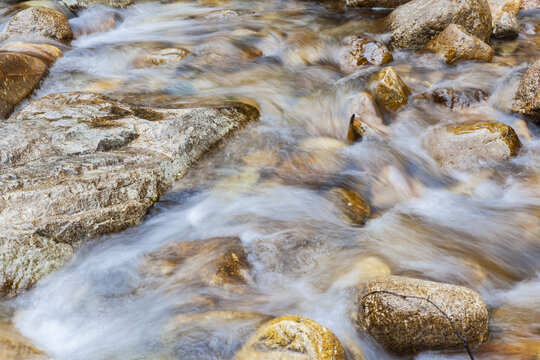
(465, 144)
(38, 21)
(19, 75)
(292, 338)
(352, 204)
(47, 53)
(527, 98)
(375, 3)
(358, 52)
(78, 165)
(77, 5)
(454, 98)
(14, 346)
(390, 90)
(408, 315)
(415, 23)
(455, 44)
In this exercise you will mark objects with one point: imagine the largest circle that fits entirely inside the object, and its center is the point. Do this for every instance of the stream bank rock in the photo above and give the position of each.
(19, 75)
(455, 44)
(527, 98)
(77, 165)
(292, 338)
(415, 23)
(38, 21)
(396, 312)
(78, 5)
(463, 144)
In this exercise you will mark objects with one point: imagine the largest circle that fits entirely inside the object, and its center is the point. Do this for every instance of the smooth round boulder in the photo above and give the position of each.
(467, 143)
(527, 97)
(292, 338)
(408, 315)
(19, 75)
(38, 21)
(47, 53)
(415, 23)
(455, 44)
(391, 91)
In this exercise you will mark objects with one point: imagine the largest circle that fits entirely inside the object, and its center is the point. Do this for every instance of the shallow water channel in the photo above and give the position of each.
(477, 227)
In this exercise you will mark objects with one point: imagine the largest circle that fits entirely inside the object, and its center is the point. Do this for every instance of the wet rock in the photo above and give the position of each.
(219, 262)
(19, 75)
(352, 204)
(454, 98)
(375, 3)
(38, 21)
(211, 332)
(365, 118)
(77, 5)
(14, 346)
(527, 98)
(415, 23)
(47, 53)
(455, 44)
(463, 144)
(222, 15)
(408, 315)
(358, 52)
(292, 337)
(91, 165)
(391, 91)
(161, 57)
(506, 25)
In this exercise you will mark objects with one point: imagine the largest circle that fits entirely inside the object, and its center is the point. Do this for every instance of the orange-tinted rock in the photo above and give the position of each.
(47, 53)
(352, 204)
(391, 91)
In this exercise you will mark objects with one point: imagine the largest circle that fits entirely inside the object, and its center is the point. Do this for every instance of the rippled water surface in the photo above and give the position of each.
(478, 228)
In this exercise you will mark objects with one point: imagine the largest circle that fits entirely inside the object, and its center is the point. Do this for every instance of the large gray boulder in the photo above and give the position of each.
(38, 21)
(19, 75)
(77, 5)
(415, 23)
(78, 165)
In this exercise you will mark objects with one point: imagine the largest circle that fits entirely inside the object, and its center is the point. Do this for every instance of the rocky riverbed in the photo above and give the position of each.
(233, 179)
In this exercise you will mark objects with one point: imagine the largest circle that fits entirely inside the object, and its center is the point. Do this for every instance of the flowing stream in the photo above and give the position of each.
(478, 227)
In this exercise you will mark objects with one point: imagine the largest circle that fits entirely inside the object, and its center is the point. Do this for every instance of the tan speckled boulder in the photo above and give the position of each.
(455, 44)
(77, 5)
(415, 23)
(465, 144)
(390, 91)
(396, 312)
(527, 98)
(19, 75)
(38, 21)
(292, 338)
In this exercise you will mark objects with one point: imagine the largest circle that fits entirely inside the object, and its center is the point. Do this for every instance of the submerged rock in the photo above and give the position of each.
(375, 3)
(79, 165)
(352, 204)
(19, 75)
(527, 98)
(292, 338)
(47, 53)
(38, 21)
(219, 262)
(14, 346)
(77, 5)
(454, 98)
(415, 23)
(408, 315)
(391, 91)
(161, 57)
(455, 44)
(463, 144)
(358, 52)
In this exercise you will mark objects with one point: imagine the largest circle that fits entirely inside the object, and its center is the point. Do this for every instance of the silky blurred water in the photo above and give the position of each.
(479, 227)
